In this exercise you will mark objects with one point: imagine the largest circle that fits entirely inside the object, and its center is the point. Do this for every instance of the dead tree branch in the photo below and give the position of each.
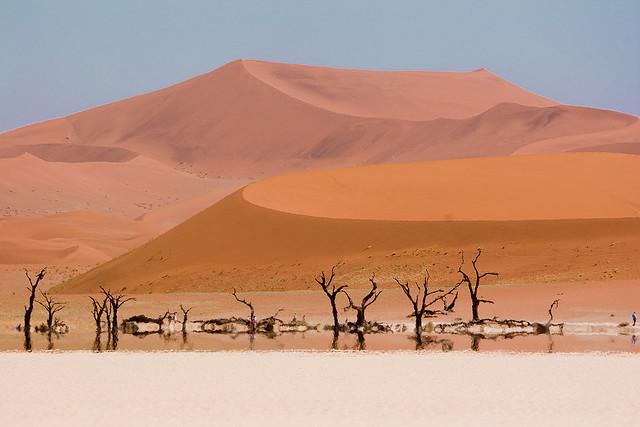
(331, 292)
(366, 302)
(474, 284)
(28, 309)
(252, 315)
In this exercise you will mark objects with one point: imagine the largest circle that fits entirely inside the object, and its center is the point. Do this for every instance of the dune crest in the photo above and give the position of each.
(404, 95)
(562, 186)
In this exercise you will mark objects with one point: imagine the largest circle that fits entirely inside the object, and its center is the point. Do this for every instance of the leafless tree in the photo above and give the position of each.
(332, 292)
(115, 302)
(252, 315)
(51, 306)
(419, 301)
(185, 314)
(28, 309)
(553, 305)
(97, 310)
(368, 299)
(474, 284)
(161, 321)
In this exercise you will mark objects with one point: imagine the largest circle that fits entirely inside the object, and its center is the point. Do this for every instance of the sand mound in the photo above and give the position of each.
(406, 95)
(72, 237)
(31, 186)
(237, 243)
(163, 156)
(564, 186)
(71, 153)
(236, 121)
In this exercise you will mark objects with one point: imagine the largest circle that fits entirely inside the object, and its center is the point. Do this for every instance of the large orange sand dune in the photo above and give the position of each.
(237, 243)
(165, 155)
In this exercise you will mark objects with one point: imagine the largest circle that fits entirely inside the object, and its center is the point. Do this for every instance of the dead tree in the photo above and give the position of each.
(553, 305)
(420, 302)
(107, 315)
(115, 302)
(368, 299)
(28, 310)
(97, 310)
(332, 292)
(252, 315)
(474, 284)
(185, 314)
(52, 307)
(161, 321)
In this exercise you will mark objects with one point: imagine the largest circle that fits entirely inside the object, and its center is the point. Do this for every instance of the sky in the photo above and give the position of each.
(59, 57)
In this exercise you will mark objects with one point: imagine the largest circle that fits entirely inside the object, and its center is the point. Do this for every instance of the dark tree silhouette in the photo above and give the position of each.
(28, 310)
(448, 307)
(115, 302)
(252, 315)
(332, 292)
(97, 310)
(553, 305)
(474, 284)
(52, 307)
(419, 301)
(185, 314)
(368, 299)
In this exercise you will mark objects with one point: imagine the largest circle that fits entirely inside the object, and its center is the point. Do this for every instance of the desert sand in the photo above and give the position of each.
(236, 121)
(552, 187)
(584, 232)
(339, 389)
(161, 157)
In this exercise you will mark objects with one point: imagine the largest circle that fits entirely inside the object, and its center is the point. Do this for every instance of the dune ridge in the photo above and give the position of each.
(588, 185)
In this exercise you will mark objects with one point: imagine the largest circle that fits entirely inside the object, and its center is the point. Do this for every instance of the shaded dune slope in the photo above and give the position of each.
(237, 243)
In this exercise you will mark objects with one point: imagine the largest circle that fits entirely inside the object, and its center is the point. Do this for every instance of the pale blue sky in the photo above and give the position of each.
(59, 57)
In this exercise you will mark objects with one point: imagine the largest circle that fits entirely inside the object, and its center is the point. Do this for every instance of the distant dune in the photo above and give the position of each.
(76, 237)
(252, 119)
(163, 156)
(237, 243)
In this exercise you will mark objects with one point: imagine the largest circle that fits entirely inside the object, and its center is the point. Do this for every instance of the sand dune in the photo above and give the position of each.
(72, 237)
(252, 119)
(163, 156)
(237, 243)
(405, 95)
(564, 186)
(43, 197)
(31, 186)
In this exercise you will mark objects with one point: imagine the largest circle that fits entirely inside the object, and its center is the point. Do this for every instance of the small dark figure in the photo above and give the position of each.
(634, 317)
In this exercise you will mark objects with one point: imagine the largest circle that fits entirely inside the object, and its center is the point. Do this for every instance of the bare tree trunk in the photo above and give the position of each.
(473, 287)
(115, 302)
(332, 295)
(368, 299)
(97, 345)
(28, 310)
(421, 296)
(252, 315)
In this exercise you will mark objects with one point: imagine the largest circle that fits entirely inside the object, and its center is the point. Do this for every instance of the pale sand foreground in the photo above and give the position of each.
(291, 388)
